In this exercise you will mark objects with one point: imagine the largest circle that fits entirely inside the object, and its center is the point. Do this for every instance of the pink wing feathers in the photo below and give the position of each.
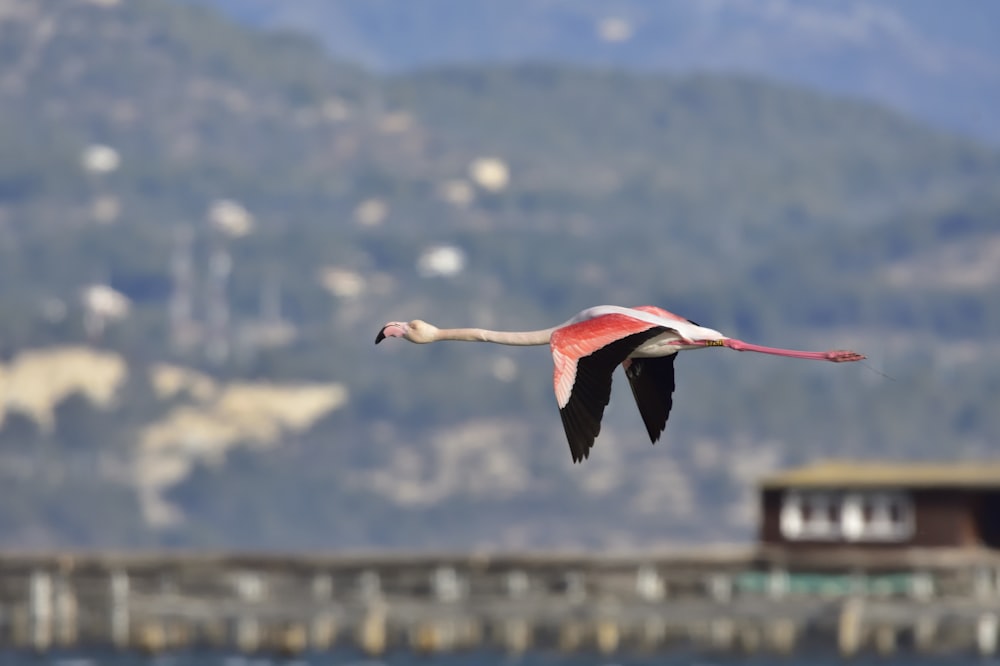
(585, 356)
(583, 338)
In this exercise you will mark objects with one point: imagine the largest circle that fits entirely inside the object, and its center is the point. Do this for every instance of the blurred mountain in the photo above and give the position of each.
(203, 227)
(936, 61)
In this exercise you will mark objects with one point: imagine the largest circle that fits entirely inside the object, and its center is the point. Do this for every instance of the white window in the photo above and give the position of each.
(852, 516)
(860, 516)
(810, 515)
(889, 516)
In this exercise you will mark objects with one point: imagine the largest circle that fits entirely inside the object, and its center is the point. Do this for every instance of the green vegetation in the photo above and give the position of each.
(768, 212)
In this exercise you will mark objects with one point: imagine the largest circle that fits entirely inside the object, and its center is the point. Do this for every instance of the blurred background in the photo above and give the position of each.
(208, 209)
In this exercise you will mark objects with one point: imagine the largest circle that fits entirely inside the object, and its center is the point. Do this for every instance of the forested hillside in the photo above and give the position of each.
(936, 61)
(202, 229)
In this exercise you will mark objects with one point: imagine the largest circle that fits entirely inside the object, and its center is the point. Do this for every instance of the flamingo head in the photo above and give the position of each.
(415, 331)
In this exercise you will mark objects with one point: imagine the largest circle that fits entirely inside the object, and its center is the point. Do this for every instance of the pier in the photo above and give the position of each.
(713, 600)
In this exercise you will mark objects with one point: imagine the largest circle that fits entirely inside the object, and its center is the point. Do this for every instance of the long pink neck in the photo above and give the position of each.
(833, 355)
(513, 338)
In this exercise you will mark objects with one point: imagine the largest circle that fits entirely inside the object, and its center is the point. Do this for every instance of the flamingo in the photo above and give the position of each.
(587, 348)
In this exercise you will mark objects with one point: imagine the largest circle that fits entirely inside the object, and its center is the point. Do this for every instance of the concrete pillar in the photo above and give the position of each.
(608, 635)
(19, 621)
(850, 627)
(322, 627)
(322, 587)
(370, 586)
(151, 637)
(983, 585)
(292, 641)
(783, 635)
(179, 632)
(250, 586)
(986, 634)
(570, 636)
(778, 583)
(214, 632)
(449, 631)
(653, 634)
(922, 586)
(925, 632)
(437, 635)
(249, 590)
(721, 633)
(720, 588)
(517, 634)
(322, 631)
(748, 637)
(518, 584)
(448, 586)
(40, 609)
(470, 633)
(649, 584)
(576, 587)
(885, 640)
(247, 634)
(373, 634)
(120, 617)
(66, 615)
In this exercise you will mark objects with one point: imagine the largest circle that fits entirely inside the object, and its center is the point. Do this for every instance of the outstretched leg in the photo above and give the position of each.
(833, 355)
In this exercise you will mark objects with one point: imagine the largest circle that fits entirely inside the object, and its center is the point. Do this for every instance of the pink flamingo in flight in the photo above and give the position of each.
(587, 348)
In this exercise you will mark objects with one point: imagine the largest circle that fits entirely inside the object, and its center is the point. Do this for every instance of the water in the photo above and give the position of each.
(472, 658)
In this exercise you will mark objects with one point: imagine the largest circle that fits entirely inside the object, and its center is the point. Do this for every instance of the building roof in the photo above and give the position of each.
(881, 474)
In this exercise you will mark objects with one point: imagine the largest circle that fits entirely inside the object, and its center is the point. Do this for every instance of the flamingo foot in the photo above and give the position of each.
(843, 356)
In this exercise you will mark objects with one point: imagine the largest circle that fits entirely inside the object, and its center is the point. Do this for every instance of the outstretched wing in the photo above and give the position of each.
(652, 382)
(586, 354)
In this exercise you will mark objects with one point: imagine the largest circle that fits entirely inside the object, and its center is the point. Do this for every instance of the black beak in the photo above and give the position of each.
(380, 337)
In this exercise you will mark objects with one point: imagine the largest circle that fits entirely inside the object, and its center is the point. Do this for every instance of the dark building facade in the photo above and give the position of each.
(875, 505)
